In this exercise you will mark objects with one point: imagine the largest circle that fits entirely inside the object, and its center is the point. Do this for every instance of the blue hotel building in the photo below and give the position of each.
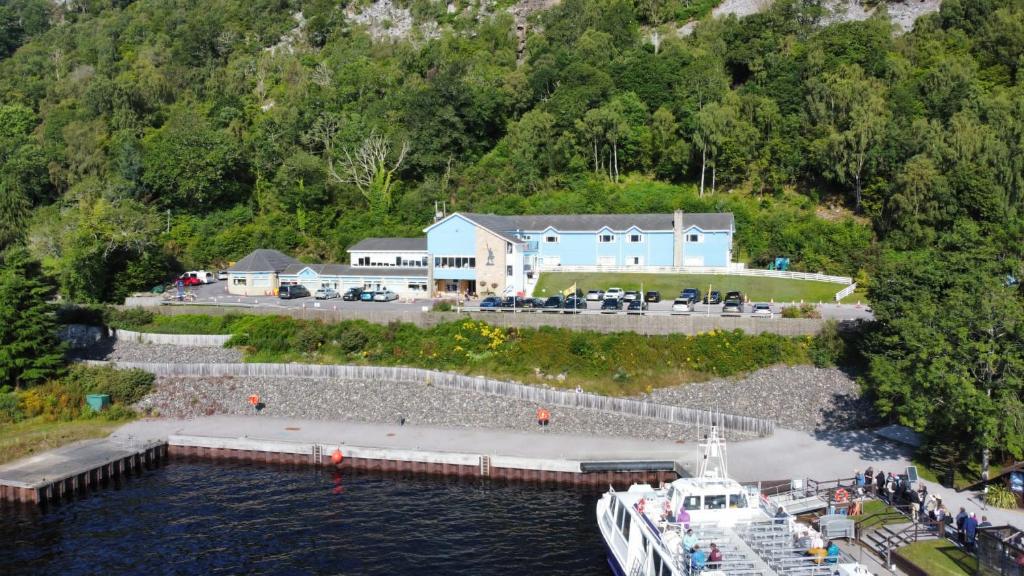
(486, 253)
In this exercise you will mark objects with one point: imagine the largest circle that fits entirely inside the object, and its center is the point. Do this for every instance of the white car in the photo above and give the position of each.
(325, 293)
(681, 305)
(202, 275)
(385, 296)
(595, 295)
(222, 275)
(763, 309)
(613, 293)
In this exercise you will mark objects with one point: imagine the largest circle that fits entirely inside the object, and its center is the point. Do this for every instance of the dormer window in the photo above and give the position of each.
(551, 239)
(636, 238)
(606, 238)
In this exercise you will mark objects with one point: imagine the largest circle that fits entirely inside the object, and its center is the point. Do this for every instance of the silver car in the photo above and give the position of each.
(385, 296)
(764, 310)
(325, 293)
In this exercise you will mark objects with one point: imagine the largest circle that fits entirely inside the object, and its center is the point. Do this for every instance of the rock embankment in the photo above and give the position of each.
(388, 402)
(121, 351)
(796, 397)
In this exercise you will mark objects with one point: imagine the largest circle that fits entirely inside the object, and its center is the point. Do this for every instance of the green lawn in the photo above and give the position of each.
(755, 287)
(38, 435)
(881, 514)
(940, 558)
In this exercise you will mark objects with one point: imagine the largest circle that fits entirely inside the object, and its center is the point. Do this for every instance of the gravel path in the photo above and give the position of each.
(387, 403)
(134, 352)
(796, 397)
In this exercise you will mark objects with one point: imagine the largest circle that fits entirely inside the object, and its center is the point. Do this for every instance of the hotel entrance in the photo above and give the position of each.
(454, 287)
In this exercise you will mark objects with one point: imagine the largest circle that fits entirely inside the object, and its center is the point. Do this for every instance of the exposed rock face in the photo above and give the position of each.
(81, 336)
(903, 13)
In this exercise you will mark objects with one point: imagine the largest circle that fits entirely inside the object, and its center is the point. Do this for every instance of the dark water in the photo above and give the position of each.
(202, 518)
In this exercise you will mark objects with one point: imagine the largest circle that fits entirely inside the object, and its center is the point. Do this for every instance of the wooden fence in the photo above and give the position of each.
(535, 394)
(212, 340)
(648, 325)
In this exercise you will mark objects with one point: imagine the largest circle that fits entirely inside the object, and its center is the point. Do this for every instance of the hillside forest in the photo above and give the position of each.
(138, 139)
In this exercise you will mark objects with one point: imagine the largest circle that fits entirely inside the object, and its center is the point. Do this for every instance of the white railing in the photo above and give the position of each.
(213, 340)
(702, 270)
(845, 292)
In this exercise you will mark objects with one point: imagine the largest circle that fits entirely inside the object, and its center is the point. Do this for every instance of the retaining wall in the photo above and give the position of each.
(535, 394)
(212, 340)
(605, 323)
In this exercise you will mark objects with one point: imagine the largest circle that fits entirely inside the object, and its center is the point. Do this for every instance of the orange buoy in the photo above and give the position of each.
(254, 399)
(337, 456)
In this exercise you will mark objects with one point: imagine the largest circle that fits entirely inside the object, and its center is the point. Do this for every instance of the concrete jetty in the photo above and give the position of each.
(465, 452)
(76, 469)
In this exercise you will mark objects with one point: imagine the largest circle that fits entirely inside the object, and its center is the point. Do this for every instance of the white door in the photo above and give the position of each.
(606, 261)
(636, 260)
(693, 261)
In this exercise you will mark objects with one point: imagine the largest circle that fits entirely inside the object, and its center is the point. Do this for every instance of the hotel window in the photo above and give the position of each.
(454, 262)
(508, 270)
(606, 238)
(238, 281)
(693, 238)
(364, 261)
(508, 247)
(636, 238)
(551, 239)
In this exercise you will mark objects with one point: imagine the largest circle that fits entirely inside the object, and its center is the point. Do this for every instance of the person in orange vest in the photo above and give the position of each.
(543, 416)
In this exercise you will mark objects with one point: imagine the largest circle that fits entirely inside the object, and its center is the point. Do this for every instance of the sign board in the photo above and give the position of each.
(1017, 482)
(911, 474)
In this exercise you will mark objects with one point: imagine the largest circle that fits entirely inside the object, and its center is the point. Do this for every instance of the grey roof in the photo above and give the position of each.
(390, 245)
(263, 260)
(593, 222)
(346, 270)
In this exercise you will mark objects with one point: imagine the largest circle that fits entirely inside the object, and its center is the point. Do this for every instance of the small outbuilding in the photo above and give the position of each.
(258, 274)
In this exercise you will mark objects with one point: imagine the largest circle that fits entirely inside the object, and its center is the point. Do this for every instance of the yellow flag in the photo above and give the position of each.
(570, 290)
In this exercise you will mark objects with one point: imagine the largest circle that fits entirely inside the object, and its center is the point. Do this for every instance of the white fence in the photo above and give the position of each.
(702, 270)
(212, 340)
(536, 394)
(845, 292)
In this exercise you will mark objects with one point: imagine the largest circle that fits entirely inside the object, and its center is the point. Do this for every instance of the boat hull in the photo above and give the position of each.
(613, 563)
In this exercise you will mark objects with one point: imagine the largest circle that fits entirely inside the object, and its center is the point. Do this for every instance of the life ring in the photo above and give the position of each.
(842, 496)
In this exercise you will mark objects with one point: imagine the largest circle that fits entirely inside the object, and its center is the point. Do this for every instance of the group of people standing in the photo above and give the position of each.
(699, 559)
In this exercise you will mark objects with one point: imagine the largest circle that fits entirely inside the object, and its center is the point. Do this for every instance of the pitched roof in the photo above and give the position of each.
(321, 269)
(263, 260)
(390, 245)
(593, 222)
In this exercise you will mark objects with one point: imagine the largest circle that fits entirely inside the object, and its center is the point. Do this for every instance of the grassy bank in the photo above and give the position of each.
(28, 437)
(756, 288)
(940, 558)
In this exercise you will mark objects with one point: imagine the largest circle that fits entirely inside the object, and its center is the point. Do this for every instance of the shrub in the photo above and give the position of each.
(128, 318)
(828, 347)
(91, 314)
(124, 386)
(10, 408)
(804, 310)
(443, 306)
(1000, 497)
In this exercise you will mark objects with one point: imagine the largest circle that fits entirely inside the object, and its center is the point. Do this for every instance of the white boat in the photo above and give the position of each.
(643, 528)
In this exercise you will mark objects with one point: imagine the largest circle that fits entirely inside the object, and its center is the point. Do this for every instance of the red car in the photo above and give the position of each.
(191, 280)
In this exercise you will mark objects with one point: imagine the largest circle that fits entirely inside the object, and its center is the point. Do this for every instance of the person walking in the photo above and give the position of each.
(970, 532)
(880, 482)
(961, 516)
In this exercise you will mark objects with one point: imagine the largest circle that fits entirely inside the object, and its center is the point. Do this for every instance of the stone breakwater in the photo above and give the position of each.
(795, 397)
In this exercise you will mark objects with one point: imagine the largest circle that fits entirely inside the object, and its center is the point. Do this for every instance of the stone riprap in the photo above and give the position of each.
(387, 402)
(123, 351)
(796, 397)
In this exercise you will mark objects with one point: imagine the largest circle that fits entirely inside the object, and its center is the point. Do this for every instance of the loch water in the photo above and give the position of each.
(212, 518)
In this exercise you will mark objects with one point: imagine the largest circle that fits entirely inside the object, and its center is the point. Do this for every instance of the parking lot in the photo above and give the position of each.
(216, 293)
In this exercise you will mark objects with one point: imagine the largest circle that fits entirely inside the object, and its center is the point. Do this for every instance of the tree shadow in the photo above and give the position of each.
(100, 350)
(865, 444)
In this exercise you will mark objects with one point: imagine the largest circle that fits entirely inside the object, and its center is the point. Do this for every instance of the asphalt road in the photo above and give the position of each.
(216, 293)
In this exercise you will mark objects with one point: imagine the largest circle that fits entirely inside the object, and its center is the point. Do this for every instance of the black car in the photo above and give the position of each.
(735, 296)
(574, 303)
(636, 307)
(713, 297)
(512, 302)
(553, 303)
(533, 303)
(611, 305)
(691, 293)
(732, 306)
(653, 296)
(352, 294)
(292, 291)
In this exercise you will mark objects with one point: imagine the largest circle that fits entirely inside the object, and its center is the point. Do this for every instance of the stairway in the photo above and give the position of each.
(882, 539)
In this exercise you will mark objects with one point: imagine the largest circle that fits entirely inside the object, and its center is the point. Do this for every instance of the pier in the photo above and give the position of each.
(76, 469)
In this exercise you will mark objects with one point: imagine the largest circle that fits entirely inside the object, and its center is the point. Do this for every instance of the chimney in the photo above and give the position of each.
(677, 238)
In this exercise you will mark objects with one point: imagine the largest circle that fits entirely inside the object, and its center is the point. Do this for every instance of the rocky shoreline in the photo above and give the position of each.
(796, 397)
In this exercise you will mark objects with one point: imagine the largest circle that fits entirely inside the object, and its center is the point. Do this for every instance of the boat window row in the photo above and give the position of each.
(715, 502)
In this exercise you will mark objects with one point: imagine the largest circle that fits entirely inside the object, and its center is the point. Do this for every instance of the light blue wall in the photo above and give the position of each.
(714, 248)
(454, 273)
(455, 236)
(583, 248)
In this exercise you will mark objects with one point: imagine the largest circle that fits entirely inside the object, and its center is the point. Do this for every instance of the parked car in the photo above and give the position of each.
(713, 297)
(595, 295)
(385, 296)
(691, 293)
(292, 291)
(352, 294)
(653, 296)
(613, 293)
(222, 275)
(325, 293)
(682, 305)
(512, 302)
(203, 276)
(490, 303)
(190, 280)
(611, 305)
(533, 303)
(763, 309)
(631, 295)
(366, 296)
(574, 304)
(636, 307)
(732, 306)
(554, 303)
(735, 296)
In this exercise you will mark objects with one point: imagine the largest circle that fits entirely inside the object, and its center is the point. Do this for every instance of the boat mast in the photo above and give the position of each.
(713, 464)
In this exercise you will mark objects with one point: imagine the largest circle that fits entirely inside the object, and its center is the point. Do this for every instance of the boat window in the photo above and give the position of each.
(691, 502)
(737, 500)
(662, 567)
(716, 502)
(623, 522)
